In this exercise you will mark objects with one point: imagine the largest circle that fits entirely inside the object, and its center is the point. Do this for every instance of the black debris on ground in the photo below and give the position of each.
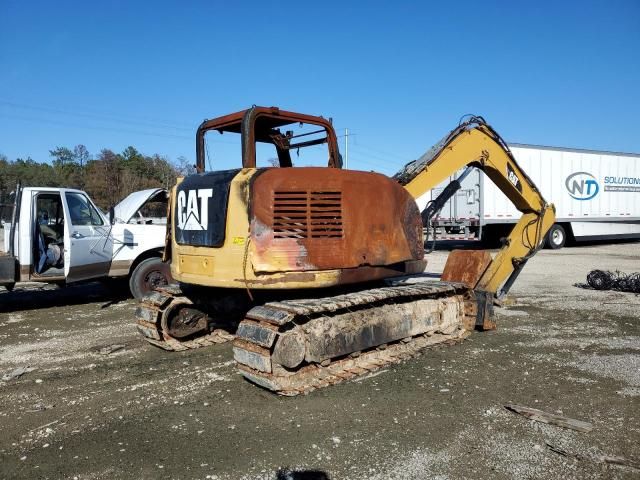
(607, 280)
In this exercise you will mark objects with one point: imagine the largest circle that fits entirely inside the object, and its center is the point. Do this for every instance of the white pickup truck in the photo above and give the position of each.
(58, 235)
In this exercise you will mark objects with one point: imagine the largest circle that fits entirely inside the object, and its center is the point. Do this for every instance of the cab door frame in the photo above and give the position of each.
(30, 236)
(88, 247)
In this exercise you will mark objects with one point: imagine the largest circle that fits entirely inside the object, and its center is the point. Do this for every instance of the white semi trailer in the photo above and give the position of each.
(596, 194)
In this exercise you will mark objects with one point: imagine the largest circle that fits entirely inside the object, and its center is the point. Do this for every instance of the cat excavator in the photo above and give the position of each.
(316, 273)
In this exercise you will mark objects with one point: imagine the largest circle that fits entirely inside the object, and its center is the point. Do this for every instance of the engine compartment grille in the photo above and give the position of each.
(307, 214)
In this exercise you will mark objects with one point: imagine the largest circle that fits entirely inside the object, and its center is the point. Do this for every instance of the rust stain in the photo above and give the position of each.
(290, 255)
(279, 278)
(319, 219)
(478, 311)
(365, 274)
(466, 266)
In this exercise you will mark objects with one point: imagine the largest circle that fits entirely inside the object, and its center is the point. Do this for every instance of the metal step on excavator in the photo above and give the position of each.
(316, 273)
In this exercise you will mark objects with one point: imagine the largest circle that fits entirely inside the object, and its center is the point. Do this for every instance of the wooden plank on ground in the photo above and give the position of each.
(597, 458)
(550, 418)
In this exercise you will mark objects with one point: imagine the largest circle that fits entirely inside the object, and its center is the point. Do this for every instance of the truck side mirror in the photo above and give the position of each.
(112, 215)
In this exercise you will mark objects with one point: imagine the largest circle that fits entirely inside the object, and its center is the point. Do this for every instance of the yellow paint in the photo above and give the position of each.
(478, 146)
(227, 259)
(196, 265)
(519, 244)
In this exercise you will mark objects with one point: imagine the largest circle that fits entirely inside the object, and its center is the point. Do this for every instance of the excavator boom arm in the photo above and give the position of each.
(475, 144)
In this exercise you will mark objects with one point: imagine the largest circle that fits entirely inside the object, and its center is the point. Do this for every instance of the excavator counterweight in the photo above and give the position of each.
(316, 272)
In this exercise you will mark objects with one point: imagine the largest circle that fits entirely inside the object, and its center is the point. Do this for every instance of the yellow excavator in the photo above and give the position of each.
(316, 273)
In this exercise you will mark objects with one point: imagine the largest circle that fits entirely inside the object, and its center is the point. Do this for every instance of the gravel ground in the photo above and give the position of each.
(139, 412)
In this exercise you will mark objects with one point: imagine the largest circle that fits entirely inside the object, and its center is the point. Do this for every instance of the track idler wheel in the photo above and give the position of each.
(289, 350)
(181, 320)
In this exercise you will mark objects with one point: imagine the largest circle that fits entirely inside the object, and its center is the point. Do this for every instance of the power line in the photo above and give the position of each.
(366, 158)
(100, 116)
(383, 159)
(378, 166)
(383, 152)
(367, 161)
(90, 127)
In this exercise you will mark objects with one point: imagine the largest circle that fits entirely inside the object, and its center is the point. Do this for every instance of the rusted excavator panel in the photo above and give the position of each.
(466, 266)
(319, 219)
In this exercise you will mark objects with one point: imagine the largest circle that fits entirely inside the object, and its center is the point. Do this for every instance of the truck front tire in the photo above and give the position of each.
(148, 275)
(556, 237)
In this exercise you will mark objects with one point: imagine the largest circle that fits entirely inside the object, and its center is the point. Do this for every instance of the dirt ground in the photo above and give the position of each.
(140, 412)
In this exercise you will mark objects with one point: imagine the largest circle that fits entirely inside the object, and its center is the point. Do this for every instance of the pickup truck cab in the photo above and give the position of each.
(58, 235)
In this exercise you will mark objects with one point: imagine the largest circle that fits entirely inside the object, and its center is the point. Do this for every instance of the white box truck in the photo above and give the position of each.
(596, 194)
(58, 235)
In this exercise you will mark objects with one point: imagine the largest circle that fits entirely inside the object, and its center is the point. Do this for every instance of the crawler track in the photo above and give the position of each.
(312, 377)
(152, 315)
(429, 314)
(297, 346)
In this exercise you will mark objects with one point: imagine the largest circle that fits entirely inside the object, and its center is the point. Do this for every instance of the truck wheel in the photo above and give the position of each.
(148, 275)
(556, 237)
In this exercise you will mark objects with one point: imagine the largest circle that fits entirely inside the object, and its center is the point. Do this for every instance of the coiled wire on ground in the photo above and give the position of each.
(607, 280)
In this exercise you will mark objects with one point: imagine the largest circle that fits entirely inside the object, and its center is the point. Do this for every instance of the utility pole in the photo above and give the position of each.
(346, 148)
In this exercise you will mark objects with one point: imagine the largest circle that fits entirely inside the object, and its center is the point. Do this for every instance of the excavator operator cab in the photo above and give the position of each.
(312, 227)
(285, 132)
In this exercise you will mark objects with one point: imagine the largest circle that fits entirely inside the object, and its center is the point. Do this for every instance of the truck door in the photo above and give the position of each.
(88, 241)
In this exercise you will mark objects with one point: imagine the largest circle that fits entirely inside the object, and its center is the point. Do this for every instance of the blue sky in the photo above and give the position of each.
(398, 74)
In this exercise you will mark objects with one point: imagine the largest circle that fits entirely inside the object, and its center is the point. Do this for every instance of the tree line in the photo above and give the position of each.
(107, 177)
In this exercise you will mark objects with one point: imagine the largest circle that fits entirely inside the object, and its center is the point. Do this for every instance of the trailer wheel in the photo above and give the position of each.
(148, 275)
(556, 237)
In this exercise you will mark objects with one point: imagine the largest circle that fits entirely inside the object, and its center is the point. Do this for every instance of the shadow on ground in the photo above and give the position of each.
(286, 474)
(34, 296)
